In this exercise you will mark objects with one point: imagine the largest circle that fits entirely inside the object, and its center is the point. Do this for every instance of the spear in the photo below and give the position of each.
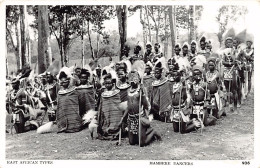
(140, 108)
(180, 110)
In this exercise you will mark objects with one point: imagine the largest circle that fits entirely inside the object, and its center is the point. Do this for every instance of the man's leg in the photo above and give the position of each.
(175, 126)
(133, 138)
(249, 80)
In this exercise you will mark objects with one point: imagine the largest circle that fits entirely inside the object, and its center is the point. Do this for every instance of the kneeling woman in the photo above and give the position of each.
(136, 97)
(68, 107)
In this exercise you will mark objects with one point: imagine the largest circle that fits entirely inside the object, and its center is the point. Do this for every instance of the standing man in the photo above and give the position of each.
(137, 55)
(122, 84)
(214, 83)
(97, 85)
(185, 50)
(203, 44)
(76, 75)
(148, 55)
(177, 50)
(193, 49)
(157, 53)
(249, 54)
(229, 74)
(51, 95)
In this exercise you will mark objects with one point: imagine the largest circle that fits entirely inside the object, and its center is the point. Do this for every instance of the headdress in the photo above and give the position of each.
(149, 64)
(203, 39)
(212, 59)
(64, 72)
(185, 44)
(197, 67)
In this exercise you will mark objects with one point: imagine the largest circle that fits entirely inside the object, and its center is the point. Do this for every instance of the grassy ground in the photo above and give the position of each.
(232, 138)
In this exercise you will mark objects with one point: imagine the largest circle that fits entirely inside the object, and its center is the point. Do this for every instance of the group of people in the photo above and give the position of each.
(190, 90)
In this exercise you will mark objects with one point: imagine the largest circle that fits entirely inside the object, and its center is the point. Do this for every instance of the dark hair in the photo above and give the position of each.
(157, 44)
(109, 76)
(138, 48)
(85, 71)
(193, 43)
(63, 75)
(203, 39)
(122, 66)
(185, 46)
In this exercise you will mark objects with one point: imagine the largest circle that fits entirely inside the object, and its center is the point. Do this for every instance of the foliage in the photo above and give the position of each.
(228, 15)
(182, 17)
(12, 18)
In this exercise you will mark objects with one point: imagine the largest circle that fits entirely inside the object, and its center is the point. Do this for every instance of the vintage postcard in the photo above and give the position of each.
(129, 83)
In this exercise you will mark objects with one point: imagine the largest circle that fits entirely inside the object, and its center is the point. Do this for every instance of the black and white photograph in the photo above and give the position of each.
(112, 81)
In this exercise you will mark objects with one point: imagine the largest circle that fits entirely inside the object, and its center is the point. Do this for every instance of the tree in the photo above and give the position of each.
(156, 14)
(44, 56)
(22, 31)
(228, 15)
(182, 17)
(12, 18)
(172, 27)
(198, 11)
(121, 11)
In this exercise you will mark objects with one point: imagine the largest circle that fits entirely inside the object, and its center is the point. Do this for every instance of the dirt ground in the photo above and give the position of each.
(232, 138)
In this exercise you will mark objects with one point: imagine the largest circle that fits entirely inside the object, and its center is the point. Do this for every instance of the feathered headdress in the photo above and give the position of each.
(161, 63)
(127, 65)
(149, 64)
(250, 37)
(186, 44)
(197, 67)
(46, 128)
(183, 63)
(67, 72)
(203, 38)
(200, 60)
(211, 59)
(139, 66)
(54, 68)
(177, 45)
(193, 42)
(229, 34)
(108, 70)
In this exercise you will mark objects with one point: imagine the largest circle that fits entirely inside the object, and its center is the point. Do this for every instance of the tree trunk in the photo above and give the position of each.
(82, 45)
(144, 27)
(61, 46)
(158, 24)
(149, 27)
(166, 35)
(191, 23)
(90, 43)
(6, 60)
(172, 29)
(98, 37)
(22, 30)
(43, 33)
(122, 26)
(66, 41)
(14, 48)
